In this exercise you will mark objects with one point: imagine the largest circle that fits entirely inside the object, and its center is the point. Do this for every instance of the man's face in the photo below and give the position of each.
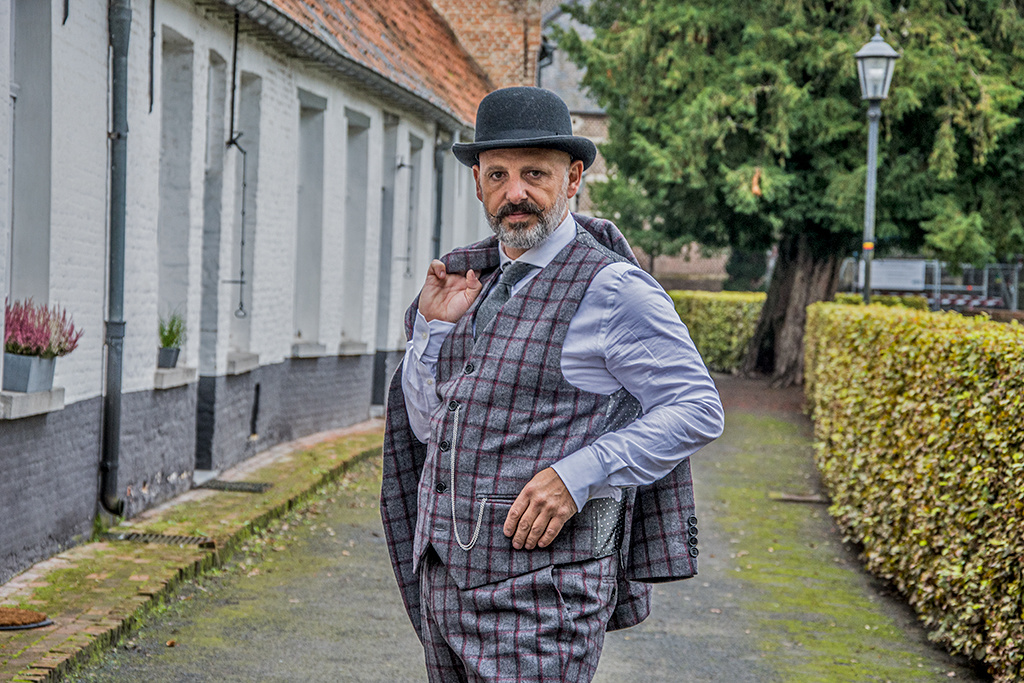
(525, 193)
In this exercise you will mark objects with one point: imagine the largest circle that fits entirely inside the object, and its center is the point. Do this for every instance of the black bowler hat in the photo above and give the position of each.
(524, 117)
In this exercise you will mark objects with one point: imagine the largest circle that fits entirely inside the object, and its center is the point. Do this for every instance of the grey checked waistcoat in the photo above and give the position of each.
(507, 413)
(659, 542)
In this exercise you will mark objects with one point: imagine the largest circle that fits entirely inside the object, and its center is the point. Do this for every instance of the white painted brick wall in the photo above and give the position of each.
(80, 194)
(5, 156)
(79, 188)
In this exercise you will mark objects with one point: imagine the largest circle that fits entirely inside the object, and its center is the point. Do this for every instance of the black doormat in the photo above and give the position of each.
(15, 618)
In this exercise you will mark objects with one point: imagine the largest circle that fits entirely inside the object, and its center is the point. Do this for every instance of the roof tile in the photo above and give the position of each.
(406, 41)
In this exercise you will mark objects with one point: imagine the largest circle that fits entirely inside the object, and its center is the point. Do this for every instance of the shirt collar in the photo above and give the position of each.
(542, 254)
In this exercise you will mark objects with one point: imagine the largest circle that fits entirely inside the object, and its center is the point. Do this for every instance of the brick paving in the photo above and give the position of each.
(95, 592)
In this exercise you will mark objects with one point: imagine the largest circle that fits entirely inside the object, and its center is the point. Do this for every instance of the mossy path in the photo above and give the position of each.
(778, 597)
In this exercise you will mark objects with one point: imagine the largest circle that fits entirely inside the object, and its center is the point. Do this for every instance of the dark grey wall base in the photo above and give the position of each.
(242, 414)
(49, 484)
(385, 363)
(49, 464)
(158, 435)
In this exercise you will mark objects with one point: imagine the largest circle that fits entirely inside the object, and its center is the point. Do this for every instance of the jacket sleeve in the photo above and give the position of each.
(403, 456)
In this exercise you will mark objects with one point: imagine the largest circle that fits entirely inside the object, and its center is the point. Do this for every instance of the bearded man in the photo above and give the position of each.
(536, 458)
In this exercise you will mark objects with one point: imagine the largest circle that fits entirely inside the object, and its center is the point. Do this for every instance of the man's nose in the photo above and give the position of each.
(515, 191)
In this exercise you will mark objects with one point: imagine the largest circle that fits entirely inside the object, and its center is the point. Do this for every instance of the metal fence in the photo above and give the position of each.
(995, 286)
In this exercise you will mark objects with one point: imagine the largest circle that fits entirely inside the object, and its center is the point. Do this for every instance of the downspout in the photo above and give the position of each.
(119, 19)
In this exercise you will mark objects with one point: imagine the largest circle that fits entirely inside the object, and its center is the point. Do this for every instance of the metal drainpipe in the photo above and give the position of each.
(119, 19)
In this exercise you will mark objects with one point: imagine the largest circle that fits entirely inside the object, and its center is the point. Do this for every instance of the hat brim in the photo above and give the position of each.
(575, 146)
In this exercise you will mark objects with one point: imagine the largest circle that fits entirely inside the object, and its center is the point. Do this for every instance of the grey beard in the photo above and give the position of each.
(527, 238)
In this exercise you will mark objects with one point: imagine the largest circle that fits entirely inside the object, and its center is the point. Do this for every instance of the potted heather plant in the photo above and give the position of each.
(172, 336)
(34, 336)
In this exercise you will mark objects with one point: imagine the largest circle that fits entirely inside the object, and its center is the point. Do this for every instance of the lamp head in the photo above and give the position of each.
(875, 63)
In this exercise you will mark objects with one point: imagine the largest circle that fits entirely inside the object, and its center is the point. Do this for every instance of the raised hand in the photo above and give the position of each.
(447, 296)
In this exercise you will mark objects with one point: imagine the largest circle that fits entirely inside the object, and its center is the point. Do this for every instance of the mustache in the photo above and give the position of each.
(522, 207)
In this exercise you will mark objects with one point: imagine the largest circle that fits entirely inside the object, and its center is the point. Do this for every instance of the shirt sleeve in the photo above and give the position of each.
(419, 369)
(629, 335)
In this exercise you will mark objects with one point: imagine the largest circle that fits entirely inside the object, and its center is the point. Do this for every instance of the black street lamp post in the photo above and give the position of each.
(875, 62)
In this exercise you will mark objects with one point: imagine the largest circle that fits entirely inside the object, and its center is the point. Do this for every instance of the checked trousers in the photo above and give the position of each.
(546, 625)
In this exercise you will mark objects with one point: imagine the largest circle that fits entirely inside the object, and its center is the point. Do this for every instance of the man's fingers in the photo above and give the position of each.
(437, 269)
(554, 527)
(543, 527)
(520, 525)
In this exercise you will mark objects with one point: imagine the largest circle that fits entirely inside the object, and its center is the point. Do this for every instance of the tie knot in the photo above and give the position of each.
(514, 272)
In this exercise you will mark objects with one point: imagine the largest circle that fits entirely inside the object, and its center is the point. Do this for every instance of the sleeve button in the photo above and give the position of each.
(444, 446)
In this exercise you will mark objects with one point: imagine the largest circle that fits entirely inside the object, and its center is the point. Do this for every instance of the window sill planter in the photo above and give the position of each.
(27, 374)
(167, 358)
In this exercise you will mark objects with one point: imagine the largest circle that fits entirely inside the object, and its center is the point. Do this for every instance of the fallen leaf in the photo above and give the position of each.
(171, 643)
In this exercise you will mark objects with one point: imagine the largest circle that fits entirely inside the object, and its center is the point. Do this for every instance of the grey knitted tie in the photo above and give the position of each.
(500, 292)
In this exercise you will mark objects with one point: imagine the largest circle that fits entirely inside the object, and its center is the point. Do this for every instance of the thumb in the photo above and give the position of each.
(473, 284)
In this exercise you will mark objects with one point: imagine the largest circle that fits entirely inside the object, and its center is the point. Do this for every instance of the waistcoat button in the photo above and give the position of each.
(440, 488)
(444, 445)
(453, 405)
(469, 368)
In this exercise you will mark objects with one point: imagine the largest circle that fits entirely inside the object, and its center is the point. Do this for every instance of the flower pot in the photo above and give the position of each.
(27, 374)
(167, 358)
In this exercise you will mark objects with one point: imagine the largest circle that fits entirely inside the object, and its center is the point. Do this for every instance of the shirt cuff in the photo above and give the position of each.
(427, 337)
(584, 477)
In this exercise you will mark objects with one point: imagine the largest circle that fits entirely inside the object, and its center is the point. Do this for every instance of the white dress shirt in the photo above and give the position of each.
(625, 333)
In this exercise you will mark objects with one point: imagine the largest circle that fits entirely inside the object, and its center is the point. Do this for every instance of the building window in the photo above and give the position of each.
(416, 226)
(174, 218)
(357, 158)
(247, 175)
(32, 102)
(309, 225)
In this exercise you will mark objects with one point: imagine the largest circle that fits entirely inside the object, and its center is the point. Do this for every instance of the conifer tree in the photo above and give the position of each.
(739, 123)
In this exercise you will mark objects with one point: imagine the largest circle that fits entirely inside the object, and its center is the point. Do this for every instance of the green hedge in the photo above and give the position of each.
(919, 426)
(720, 323)
(907, 300)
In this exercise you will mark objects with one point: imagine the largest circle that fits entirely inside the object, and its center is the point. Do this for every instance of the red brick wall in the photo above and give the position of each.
(503, 36)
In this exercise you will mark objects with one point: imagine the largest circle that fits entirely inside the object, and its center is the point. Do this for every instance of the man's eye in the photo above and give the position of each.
(497, 176)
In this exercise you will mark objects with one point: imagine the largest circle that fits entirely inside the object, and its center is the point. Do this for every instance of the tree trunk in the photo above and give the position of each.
(805, 272)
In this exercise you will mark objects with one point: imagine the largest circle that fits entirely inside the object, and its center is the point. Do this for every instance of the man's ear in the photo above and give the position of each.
(476, 179)
(575, 177)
